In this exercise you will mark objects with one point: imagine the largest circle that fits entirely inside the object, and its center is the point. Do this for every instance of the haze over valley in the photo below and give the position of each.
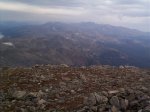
(76, 44)
(76, 32)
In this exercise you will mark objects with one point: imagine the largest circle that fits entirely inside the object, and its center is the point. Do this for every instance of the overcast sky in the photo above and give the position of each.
(128, 13)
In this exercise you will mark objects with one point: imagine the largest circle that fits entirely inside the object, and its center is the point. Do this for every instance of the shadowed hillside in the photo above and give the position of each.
(73, 44)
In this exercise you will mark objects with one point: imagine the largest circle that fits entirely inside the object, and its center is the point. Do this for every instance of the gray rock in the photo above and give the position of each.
(115, 101)
(31, 109)
(100, 98)
(40, 94)
(140, 110)
(124, 104)
(146, 109)
(73, 91)
(101, 109)
(144, 89)
(122, 90)
(33, 94)
(144, 98)
(113, 92)
(84, 109)
(2, 96)
(91, 100)
(134, 103)
(95, 99)
(114, 109)
(23, 110)
(41, 101)
(18, 109)
(42, 77)
(94, 108)
(64, 65)
(19, 94)
(105, 93)
(83, 77)
(131, 97)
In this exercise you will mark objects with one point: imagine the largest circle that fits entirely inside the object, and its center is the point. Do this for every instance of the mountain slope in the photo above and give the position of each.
(74, 44)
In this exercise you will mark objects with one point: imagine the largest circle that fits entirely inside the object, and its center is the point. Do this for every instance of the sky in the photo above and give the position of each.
(128, 13)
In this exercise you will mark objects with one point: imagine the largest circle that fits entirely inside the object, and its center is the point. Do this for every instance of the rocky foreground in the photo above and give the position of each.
(74, 89)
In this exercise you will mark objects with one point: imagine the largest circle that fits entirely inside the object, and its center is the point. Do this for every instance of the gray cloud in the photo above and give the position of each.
(131, 2)
(69, 3)
(20, 7)
(129, 13)
(128, 1)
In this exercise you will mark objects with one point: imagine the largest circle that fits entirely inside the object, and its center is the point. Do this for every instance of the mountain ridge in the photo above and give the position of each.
(74, 44)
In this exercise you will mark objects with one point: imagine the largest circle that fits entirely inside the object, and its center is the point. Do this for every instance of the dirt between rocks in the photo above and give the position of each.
(60, 88)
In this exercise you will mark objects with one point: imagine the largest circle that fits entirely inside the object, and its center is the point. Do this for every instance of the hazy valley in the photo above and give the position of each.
(75, 44)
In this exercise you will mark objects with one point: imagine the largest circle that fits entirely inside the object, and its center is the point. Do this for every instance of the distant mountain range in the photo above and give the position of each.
(75, 44)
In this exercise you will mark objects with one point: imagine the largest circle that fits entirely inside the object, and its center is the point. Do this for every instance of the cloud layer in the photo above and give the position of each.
(129, 13)
(20, 7)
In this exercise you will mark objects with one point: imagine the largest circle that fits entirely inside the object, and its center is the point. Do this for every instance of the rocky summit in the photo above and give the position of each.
(60, 88)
